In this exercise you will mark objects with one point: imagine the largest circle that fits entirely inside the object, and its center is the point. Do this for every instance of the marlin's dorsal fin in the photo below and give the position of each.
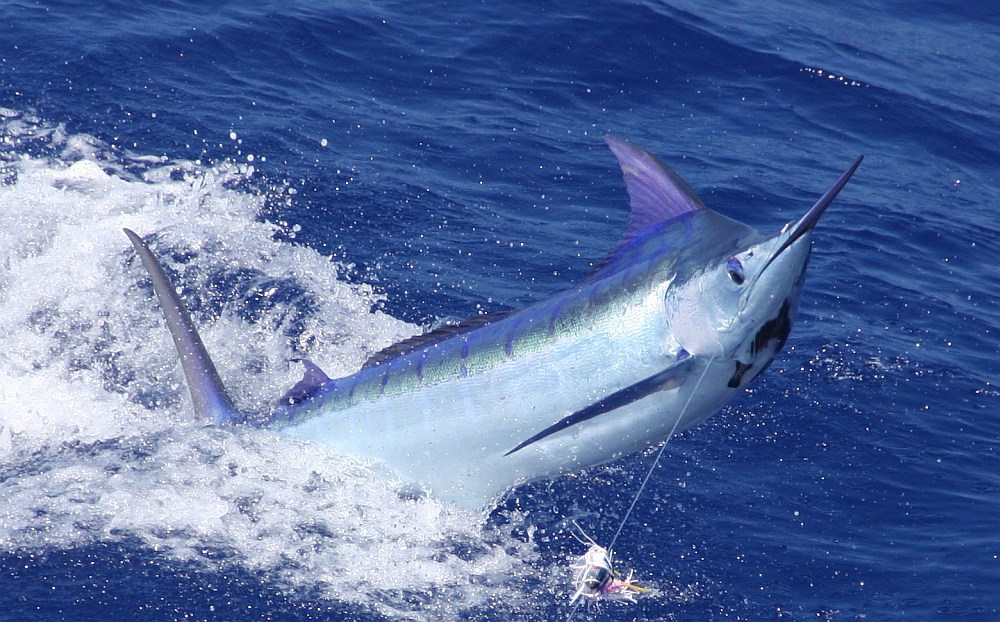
(656, 193)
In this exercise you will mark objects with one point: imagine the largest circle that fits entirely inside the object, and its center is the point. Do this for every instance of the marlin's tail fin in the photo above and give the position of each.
(210, 399)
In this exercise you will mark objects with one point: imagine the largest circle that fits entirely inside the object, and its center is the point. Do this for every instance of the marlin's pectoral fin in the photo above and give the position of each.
(669, 378)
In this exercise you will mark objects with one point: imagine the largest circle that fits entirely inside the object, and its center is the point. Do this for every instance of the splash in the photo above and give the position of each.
(96, 441)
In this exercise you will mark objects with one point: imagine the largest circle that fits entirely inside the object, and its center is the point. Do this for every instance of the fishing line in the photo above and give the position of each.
(659, 454)
(649, 472)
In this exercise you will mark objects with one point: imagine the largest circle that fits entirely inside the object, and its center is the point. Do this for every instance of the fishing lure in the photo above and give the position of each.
(596, 579)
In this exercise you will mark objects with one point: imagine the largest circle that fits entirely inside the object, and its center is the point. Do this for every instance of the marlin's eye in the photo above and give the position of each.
(735, 269)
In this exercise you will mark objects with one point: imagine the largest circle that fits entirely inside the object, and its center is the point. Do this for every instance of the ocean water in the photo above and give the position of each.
(326, 178)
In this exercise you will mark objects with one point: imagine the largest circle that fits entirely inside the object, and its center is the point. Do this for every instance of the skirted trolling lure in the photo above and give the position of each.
(595, 578)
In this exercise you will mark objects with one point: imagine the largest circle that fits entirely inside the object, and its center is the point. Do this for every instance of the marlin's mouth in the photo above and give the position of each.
(769, 340)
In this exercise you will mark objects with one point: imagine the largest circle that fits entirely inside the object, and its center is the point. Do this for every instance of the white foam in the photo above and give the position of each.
(96, 441)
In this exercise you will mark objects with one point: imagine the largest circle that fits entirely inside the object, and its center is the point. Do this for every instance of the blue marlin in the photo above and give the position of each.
(685, 311)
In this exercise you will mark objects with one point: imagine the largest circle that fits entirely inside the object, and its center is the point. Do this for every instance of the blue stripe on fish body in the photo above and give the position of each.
(421, 361)
(553, 317)
(465, 355)
(508, 344)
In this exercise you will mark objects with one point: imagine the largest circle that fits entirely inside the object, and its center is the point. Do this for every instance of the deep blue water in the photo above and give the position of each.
(447, 159)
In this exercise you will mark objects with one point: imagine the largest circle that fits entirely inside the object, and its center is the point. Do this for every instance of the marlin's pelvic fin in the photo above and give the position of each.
(210, 399)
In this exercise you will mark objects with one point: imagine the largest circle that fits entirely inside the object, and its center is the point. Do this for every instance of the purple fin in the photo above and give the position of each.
(312, 380)
(656, 193)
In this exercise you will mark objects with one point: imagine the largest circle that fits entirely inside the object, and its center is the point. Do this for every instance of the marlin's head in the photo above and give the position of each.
(738, 303)
(732, 291)
(728, 296)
